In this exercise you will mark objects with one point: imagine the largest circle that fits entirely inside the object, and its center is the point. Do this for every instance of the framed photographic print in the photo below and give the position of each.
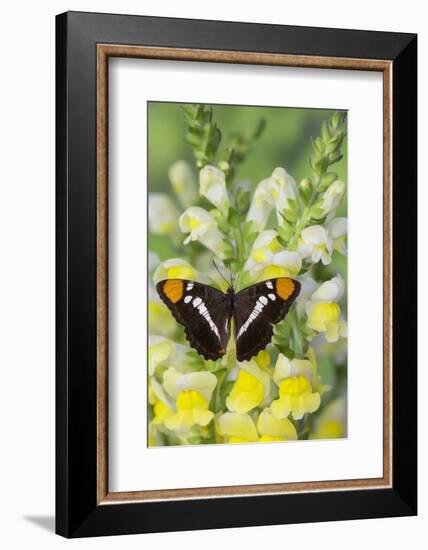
(236, 274)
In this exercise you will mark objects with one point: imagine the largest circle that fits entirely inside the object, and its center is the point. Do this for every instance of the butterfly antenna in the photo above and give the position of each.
(219, 272)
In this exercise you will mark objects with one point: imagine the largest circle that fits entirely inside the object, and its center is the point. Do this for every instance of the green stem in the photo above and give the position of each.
(240, 245)
(304, 218)
(296, 335)
(220, 381)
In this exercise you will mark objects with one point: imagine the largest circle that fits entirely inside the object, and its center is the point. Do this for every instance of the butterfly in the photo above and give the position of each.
(206, 313)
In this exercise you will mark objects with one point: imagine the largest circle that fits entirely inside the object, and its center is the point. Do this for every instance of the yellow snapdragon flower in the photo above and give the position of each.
(175, 268)
(237, 428)
(192, 409)
(268, 259)
(272, 428)
(247, 393)
(323, 311)
(296, 395)
(252, 386)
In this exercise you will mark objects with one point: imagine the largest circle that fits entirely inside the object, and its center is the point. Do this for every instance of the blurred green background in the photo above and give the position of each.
(286, 140)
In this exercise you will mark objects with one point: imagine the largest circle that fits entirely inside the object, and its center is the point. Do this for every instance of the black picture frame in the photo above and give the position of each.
(78, 513)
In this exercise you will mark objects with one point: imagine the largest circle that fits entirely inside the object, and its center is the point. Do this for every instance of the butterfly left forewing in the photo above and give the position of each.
(256, 309)
(202, 310)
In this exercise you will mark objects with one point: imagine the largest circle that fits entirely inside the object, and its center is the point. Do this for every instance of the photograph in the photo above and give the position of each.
(247, 274)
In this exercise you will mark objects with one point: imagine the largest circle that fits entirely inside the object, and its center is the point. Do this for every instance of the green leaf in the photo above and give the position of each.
(325, 134)
(234, 218)
(289, 215)
(326, 180)
(319, 144)
(243, 201)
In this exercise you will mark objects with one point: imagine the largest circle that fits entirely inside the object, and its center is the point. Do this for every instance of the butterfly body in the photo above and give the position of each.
(206, 313)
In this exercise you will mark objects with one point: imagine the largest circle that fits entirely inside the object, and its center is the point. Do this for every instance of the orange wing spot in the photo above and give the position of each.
(222, 351)
(173, 289)
(285, 288)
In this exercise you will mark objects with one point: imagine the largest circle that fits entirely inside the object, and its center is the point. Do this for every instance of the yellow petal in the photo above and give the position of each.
(322, 313)
(270, 425)
(191, 399)
(272, 272)
(234, 439)
(330, 429)
(263, 359)
(294, 385)
(247, 393)
(161, 411)
(281, 407)
(235, 425)
(181, 272)
(311, 402)
(269, 438)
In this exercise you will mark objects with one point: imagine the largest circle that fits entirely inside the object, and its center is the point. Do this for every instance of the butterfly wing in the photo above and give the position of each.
(256, 309)
(204, 312)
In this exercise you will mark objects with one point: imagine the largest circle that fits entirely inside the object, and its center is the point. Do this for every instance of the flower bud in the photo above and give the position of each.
(212, 185)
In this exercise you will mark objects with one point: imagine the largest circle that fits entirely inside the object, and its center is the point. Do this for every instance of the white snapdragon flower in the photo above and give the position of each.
(212, 185)
(202, 227)
(323, 310)
(268, 259)
(338, 229)
(287, 190)
(163, 214)
(315, 243)
(271, 192)
(183, 182)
